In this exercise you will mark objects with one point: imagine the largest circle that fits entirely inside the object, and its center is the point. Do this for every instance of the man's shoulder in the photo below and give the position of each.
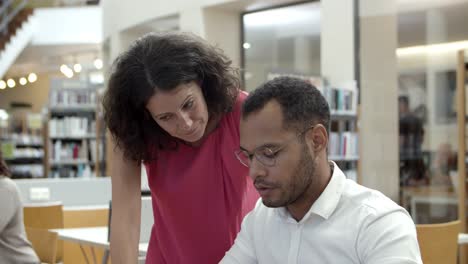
(370, 202)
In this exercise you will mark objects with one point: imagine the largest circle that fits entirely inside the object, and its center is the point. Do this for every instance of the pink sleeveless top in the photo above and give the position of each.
(200, 196)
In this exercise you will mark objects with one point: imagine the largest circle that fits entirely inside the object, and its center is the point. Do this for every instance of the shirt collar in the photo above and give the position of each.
(327, 202)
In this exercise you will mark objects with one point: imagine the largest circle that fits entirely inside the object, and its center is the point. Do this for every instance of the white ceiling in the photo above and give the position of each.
(48, 58)
(413, 29)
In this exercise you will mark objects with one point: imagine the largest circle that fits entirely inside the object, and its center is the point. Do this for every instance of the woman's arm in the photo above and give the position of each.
(126, 209)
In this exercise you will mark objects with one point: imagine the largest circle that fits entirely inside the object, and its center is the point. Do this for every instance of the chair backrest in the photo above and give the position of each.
(45, 216)
(44, 242)
(439, 242)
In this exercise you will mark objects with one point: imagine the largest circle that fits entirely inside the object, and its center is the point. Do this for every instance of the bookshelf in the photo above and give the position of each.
(24, 154)
(75, 148)
(343, 147)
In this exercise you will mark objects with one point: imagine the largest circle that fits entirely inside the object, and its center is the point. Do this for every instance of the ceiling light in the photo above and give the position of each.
(2, 84)
(3, 115)
(11, 83)
(77, 67)
(246, 45)
(32, 77)
(66, 71)
(98, 64)
(63, 68)
(23, 81)
(433, 48)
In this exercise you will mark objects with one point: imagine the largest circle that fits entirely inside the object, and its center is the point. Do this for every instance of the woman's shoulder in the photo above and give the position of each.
(237, 106)
(8, 185)
(7, 182)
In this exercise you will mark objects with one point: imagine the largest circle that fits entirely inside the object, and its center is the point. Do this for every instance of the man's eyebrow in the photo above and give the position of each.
(266, 145)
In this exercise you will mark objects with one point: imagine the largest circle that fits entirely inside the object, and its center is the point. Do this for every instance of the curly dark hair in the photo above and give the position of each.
(4, 171)
(161, 62)
(302, 103)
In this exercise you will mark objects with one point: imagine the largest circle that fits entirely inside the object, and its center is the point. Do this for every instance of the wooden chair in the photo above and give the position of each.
(45, 216)
(439, 242)
(44, 243)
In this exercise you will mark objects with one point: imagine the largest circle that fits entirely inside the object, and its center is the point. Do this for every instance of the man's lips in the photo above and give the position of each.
(264, 189)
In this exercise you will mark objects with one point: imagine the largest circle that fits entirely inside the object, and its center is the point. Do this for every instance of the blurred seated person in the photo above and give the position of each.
(413, 171)
(444, 162)
(14, 246)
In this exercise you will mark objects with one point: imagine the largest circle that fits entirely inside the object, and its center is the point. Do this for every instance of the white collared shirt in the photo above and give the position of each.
(347, 224)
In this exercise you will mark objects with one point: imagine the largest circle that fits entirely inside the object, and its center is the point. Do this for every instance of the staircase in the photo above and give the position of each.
(16, 30)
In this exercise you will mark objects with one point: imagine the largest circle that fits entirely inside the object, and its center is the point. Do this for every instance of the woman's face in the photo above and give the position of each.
(181, 112)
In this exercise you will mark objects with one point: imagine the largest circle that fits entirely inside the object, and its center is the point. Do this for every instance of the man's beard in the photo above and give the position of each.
(301, 179)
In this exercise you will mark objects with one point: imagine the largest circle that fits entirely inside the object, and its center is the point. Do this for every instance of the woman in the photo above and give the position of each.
(173, 103)
(14, 246)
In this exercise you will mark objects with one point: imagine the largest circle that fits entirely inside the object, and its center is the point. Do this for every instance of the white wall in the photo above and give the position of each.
(121, 15)
(337, 41)
(379, 96)
(68, 25)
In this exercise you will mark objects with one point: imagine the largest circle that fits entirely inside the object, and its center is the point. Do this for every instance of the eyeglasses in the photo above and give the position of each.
(265, 155)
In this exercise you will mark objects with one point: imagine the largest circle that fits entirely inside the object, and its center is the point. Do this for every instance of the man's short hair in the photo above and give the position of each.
(302, 103)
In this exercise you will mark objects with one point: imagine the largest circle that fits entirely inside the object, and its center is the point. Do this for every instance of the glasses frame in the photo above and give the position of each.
(240, 152)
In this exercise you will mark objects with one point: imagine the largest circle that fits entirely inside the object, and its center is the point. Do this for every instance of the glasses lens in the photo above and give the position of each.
(266, 156)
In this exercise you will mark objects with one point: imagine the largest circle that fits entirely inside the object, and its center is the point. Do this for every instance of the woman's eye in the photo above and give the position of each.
(164, 118)
(188, 105)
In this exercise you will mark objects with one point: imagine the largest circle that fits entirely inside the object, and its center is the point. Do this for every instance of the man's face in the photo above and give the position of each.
(285, 182)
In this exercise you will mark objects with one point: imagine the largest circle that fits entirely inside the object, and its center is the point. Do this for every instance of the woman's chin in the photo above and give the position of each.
(196, 137)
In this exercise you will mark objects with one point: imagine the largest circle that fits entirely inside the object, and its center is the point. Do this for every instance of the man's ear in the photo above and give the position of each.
(317, 139)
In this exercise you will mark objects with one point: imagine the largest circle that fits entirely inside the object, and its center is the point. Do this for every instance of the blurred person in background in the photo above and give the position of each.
(14, 246)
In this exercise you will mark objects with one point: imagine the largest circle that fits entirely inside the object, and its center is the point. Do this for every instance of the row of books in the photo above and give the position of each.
(71, 127)
(24, 139)
(341, 100)
(69, 151)
(84, 151)
(80, 171)
(27, 171)
(72, 97)
(28, 153)
(344, 145)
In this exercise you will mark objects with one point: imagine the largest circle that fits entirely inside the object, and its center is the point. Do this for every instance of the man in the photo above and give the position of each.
(309, 212)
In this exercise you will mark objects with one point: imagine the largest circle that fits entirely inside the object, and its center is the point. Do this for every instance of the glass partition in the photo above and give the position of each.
(281, 40)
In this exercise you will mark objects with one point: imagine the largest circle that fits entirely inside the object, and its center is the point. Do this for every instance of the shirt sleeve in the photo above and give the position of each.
(389, 239)
(243, 250)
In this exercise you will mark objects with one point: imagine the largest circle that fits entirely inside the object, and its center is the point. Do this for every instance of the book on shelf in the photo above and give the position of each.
(342, 98)
(96, 147)
(71, 151)
(343, 145)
